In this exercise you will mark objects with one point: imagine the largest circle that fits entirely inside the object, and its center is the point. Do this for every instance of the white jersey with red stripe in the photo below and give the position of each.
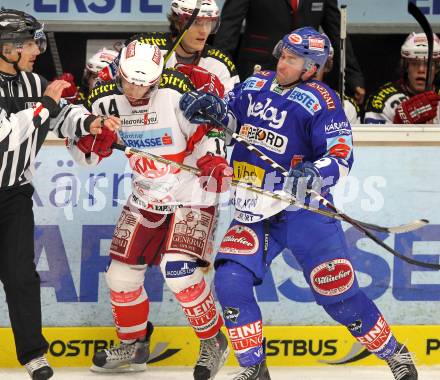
(159, 128)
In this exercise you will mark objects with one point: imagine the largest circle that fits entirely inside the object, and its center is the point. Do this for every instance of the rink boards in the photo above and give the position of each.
(178, 346)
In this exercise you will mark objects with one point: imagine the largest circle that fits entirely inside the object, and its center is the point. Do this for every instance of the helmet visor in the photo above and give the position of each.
(131, 90)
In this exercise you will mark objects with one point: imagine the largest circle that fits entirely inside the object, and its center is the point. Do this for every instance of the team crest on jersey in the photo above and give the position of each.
(306, 99)
(254, 84)
(263, 137)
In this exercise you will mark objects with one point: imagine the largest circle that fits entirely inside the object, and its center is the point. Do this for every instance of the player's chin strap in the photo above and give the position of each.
(290, 200)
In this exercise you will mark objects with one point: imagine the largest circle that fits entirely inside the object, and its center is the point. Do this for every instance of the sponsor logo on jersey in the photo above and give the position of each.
(263, 137)
(254, 84)
(157, 39)
(223, 58)
(379, 99)
(176, 80)
(341, 127)
(376, 339)
(277, 89)
(325, 94)
(339, 147)
(148, 139)
(239, 240)
(266, 112)
(245, 172)
(174, 269)
(332, 277)
(306, 99)
(147, 118)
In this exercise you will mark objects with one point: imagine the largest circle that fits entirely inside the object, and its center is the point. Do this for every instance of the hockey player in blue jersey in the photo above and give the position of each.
(298, 122)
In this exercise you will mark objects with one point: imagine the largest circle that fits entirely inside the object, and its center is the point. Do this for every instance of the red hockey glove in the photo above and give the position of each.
(418, 109)
(215, 173)
(202, 79)
(69, 93)
(100, 144)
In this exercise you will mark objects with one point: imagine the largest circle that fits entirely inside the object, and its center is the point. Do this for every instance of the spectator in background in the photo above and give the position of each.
(406, 101)
(268, 21)
(193, 48)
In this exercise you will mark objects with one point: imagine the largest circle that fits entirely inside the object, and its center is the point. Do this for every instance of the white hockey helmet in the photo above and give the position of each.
(209, 10)
(95, 64)
(140, 65)
(100, 59)
(416, 47)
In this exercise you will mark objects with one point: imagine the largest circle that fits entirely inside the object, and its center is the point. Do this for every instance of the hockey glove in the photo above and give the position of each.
(418, 109)
(215, 173)
(302, 178)
(202, 79)
(69, 93)
(203, 108)
(100, 144)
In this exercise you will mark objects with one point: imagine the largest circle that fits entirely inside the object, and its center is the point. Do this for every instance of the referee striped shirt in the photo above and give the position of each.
(25, 120)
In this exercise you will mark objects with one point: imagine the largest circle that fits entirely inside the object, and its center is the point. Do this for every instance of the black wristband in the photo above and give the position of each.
(89, 120)
(51, 105)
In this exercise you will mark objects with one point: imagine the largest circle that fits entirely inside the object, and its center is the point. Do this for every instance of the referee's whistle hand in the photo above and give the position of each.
(55, 89)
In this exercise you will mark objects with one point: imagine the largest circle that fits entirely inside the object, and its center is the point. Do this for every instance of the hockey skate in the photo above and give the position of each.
(255, 372)
(39, 369)
(402, 364)
(212, 355)
(131, 357)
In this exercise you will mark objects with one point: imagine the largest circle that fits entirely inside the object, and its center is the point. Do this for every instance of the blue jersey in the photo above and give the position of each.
(298, 124)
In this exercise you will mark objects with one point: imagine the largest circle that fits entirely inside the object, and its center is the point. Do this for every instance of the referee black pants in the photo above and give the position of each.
(18, 273)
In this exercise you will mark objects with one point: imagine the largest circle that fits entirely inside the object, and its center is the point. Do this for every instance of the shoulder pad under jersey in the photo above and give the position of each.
(376, 101)
(222, 57)
(161, 40)
(175, 80)
(101, 91)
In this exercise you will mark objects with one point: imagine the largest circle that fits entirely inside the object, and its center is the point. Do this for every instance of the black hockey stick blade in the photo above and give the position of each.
(414, 11)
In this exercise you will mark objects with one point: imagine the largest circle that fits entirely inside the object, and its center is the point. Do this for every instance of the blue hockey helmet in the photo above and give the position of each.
(306, 42)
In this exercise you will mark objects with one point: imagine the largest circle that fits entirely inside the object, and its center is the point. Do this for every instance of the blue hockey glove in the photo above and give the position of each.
(203, 108)
(303, 177)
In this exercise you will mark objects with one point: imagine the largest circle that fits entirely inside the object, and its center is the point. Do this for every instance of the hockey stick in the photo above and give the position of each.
(288, 200)
(183, 31)
(55, 54)
(395, 229)
(343, 36)
(424, 24)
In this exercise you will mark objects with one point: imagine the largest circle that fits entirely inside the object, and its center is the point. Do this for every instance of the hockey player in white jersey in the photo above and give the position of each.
(406, 101)
(168, 219)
